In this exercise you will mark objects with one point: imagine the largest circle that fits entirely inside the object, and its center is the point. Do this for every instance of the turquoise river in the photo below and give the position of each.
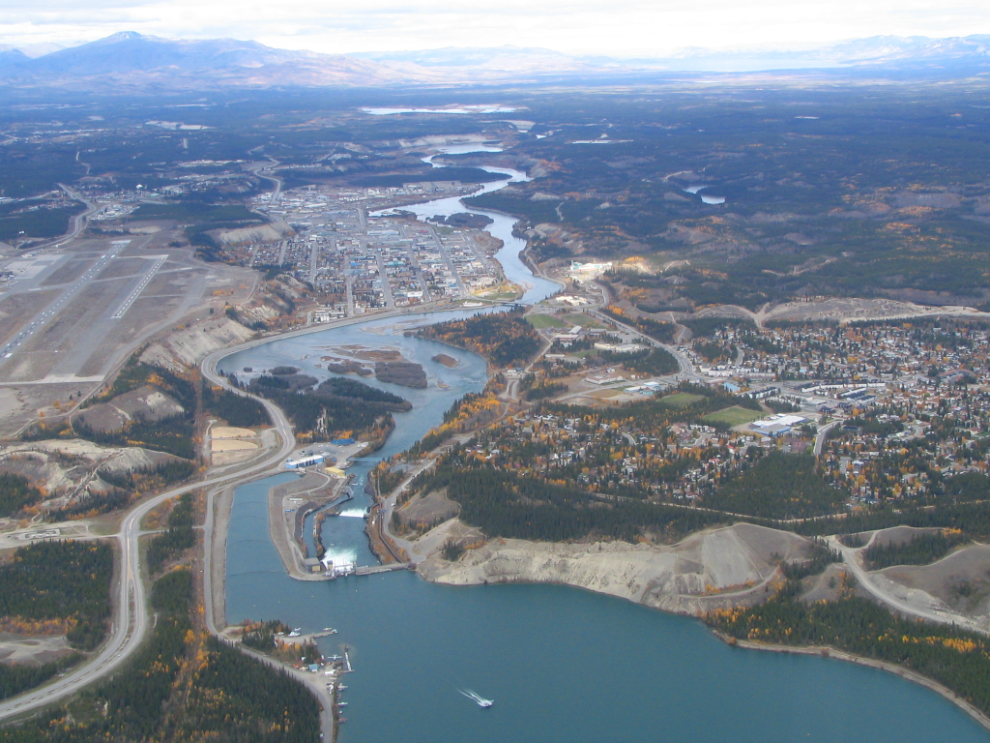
(563, 665)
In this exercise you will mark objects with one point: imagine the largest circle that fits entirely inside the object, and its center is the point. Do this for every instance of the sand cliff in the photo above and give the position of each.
(709, 570)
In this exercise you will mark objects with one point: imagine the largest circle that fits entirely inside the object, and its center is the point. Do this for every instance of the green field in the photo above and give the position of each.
(734, 416)
(585, 321)
(545, 321)
(681, 399)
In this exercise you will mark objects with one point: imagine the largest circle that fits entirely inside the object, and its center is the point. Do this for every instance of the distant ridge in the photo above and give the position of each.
(130, 60)
(133, 62)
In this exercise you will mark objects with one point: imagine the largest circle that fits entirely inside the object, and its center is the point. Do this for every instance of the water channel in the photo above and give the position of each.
(563, 665)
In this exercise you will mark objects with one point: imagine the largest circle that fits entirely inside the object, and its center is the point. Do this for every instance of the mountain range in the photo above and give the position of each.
(132, 62)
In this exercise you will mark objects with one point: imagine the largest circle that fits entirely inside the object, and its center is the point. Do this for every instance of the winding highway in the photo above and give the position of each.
(851, 559)
(131, 619)
(687, 368)
(131, 615)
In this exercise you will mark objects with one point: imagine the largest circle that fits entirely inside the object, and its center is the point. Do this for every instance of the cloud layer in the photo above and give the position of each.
(618, 27)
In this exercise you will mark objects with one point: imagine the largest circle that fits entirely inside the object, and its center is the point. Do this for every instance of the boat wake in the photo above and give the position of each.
(477, 698)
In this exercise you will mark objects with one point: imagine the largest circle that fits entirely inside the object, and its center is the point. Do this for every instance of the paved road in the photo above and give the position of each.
(687, 368)
(822, 435)
(77, 223)
(316, 683)
(131, 621)
(269, 167)
(851, 557)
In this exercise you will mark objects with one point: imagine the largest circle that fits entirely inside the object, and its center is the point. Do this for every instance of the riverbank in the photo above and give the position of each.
(830, 652)
(223, 502)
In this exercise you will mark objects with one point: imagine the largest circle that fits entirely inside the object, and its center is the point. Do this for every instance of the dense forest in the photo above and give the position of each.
(535, 388)
(182, 686)
(44, 222)
(969, 486)
(257, 703)
(337, 408)
(16, 678)
(178, 537)
(237, 410)
(955, 658)
(16, 493)
(972, 519)
(778, 486)
(920, 549)
(61, 585)
(653, 361)
(503, 504)
(504, 338)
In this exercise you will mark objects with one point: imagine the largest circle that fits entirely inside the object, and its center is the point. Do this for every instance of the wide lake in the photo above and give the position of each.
(562, 665)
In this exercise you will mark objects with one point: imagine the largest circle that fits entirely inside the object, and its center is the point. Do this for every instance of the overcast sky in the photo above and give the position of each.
(614, 27)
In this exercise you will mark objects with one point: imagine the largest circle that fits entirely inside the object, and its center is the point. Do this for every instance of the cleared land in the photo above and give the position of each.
(229, 432)
(583, 320)
(545, 321)
(681, 399)
(734, 416)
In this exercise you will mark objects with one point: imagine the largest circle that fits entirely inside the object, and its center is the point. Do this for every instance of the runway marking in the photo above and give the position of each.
(132, 297)
(49, 313)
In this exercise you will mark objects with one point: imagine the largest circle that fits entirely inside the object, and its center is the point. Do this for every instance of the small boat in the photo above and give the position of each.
(296, 632)
(330, 630)
(341, 687)
(341, 704)
(477, 698)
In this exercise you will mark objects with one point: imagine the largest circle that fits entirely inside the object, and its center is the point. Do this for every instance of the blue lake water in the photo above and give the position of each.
(563, 665)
